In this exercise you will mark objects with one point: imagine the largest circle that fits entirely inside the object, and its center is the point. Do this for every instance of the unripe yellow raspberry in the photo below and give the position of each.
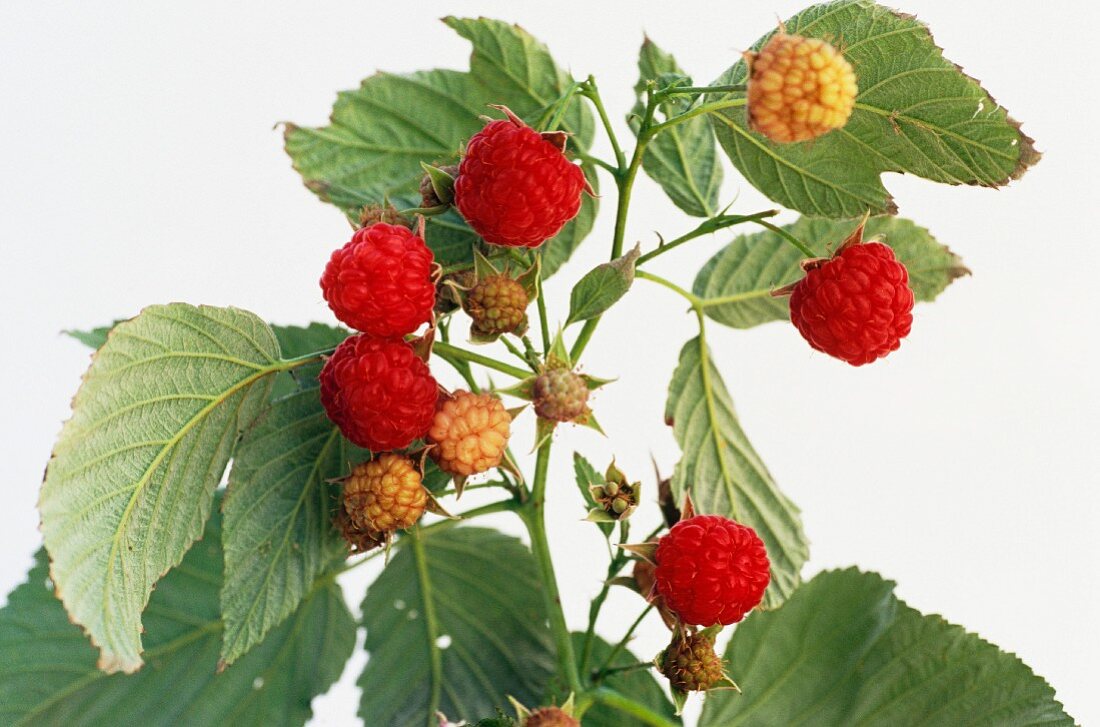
(470, 433)
(385, 494)
(799, 89)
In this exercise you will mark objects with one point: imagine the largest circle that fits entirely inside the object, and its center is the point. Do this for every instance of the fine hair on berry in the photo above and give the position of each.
(711, 570)
(380, 282)
(378, 392)
(856, 306)
(516, 188)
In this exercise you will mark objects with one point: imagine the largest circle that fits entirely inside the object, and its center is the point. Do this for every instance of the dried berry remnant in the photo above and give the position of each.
(385, 494)
(470, 433)
(691, 664)
(617, 498)
(799, 88)
(447, 298)
(516, 188)
(381, 281)
(856, 306)
(359, 540)
(711, 570)
(560, 395)
(550, 717)
(497, 304)
(378, 392)
(373, 213)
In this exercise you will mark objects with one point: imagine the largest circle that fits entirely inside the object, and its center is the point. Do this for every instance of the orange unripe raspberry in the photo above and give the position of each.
(385, 494)
(470, 433)
(799, 89)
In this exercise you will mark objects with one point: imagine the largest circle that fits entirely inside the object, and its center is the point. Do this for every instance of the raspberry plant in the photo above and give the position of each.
(341, 447)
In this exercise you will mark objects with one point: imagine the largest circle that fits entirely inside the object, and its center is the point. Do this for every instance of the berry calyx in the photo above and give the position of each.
(550, 717)
(856, 306)
(497, 304)
(469, 433)
(691, 664)
(711, 570)
(560, 395)
(799, 88)
(381, 281)
(515, 187)
(359, 539)
(385, 494)
(378, 392)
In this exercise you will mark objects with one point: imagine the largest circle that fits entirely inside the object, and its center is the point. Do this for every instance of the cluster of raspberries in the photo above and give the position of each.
(515, 187)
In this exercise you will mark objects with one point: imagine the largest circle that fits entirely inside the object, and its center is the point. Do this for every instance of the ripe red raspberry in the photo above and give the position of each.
(385, 494)
(470, 433)
(550, 717)
(856, 306)
(514, 187)
(560, 395)
(691, 664)
(378, 392)
(497, 304)
(711, 570)
(381, 281)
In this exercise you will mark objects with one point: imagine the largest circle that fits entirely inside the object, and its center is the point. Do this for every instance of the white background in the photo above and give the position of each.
(139, 165)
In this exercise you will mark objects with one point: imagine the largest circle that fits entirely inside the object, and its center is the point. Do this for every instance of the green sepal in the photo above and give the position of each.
(483, 266)
(599, 515)
(443, 184)
(524, 389)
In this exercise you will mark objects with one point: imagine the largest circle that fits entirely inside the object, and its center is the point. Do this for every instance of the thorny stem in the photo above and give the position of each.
(629, 667)
(707, 108)
(788, 237)
(592, 93)
(699, 90)
(705, 228)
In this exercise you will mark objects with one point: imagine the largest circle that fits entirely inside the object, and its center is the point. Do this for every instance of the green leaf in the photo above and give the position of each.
(296, 341)
(587, 476)
(640, 685)
(379, 134)
(722, 472)
(916, 112)
(602, 287)
(48, 672)
(739, 279)
(455, 624)
(683, 159)
(845, 651)
(279, 536)
(93, 338)
(133, 474)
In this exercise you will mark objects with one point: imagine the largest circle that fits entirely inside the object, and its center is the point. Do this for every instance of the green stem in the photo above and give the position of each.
(534, 517)
(605, 669)
(625, 183)
(698, 90)
(544, 321)
(431, 624)
(611, 698)
(563, 106)
(451, 354)
(706, 108)
(788, 237)
(592, 93)
(695, 301)
(629, 667)
(514, 350)
(707, 227)
(617, 562)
